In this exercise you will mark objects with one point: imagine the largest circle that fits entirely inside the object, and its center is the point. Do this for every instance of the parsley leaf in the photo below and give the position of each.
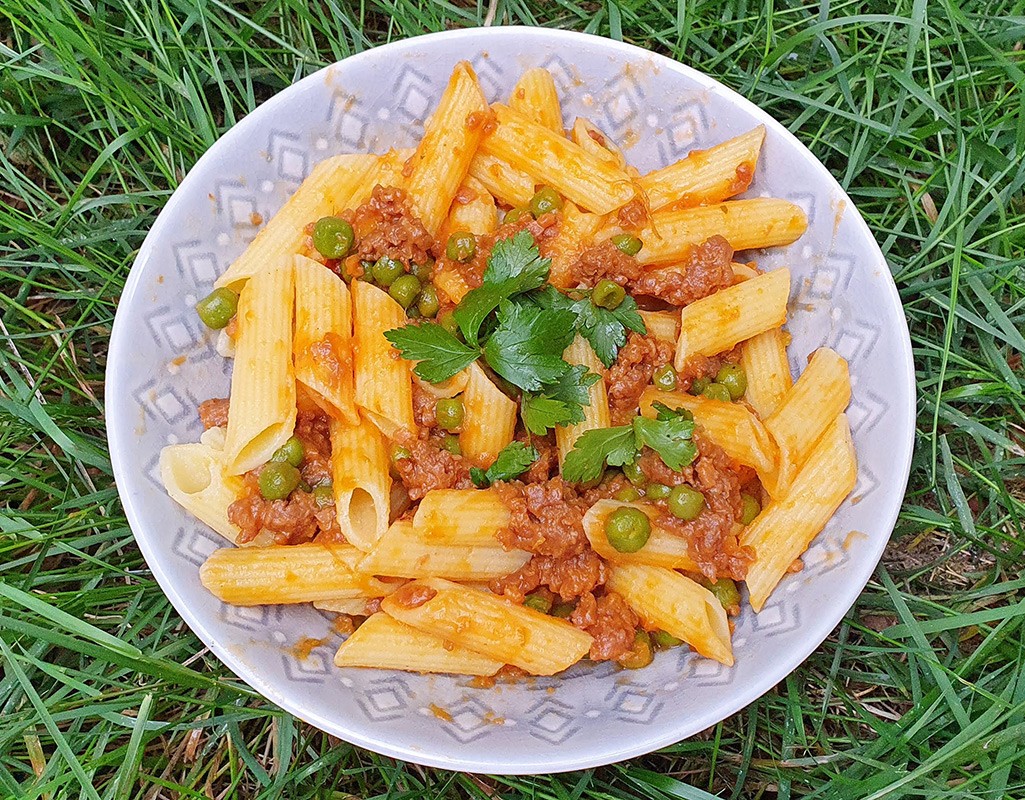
(514, 266)
(615, 446)
(526, 347)
(513, 461)
(670, 438)
(561, 403)
(440, 354)
(605, 329)
(664, 412)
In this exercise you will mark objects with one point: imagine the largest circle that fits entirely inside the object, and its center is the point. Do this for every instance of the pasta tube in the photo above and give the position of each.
(759, 222)
(682, 608)
(385, 643)
(764, 359)
(706, 176)
(576, 230)
(596, 413)
(489, 419)
(536, 97)
(327, 190)
(287, 574)
(488, 624)
(507, 183)
(463, 517)
(549, 158)
(718, 322)
(663, 548)
(261, 411)
(361, 481)
(322, 345)
(450, 140)
(384, 388)
(401, 553)
(787, 526)
(195, 477)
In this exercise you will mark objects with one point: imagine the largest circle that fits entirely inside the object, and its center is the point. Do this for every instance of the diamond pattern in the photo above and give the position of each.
(837, 302)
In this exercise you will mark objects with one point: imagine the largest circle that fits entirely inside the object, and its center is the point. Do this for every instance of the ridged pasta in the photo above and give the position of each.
(596, 413)
(361, 481)
(536, 97)
(764, 359)
(489, 419)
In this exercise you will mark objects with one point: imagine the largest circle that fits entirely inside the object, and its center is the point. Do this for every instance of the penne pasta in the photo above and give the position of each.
(663, 325)
(385, 643)
(598, 144)
(764, 359)
(450, 139)
(536, 97)
(706, 176)
(401, 553)
(352, 606)
(506, 183)
(322, 343)
(463, 517)
(785, 527)
(448, 388)
(745, 224)
(195, 477)
(677, 605)
(596, 413)
(361, 481)
(328, 189)
(551, 159)
(488, 624)
(732, 426)
(489, 419)
(261, 413)
(720, 321)
(473, 210)
(743, 272)
(384, 388)
(822, 392)
(388, 170)
(576, 230)
(663, 548)
(287, 574)
(448, 280)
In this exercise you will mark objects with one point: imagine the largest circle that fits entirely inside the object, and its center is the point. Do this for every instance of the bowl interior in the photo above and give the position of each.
(163, 364)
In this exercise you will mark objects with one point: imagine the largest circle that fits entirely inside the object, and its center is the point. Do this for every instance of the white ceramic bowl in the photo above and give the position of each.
(843, 297)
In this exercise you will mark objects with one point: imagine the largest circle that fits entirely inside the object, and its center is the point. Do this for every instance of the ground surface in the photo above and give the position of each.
(913, 106)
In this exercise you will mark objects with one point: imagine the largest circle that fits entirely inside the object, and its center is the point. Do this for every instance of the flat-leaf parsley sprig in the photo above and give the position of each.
(669, 435)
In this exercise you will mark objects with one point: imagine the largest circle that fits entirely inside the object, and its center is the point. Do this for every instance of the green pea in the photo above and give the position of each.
(664, 378)
(562, 610)
(734, 379)
(626, 243)
(462, 246)
(405, 290)
(324, 495)
(427, 303)
(627, 494)
(627, 529)
(716, 391)
(217, 308)
(698, 386)
(749, 509)
(634, 473)
(451, 444)
(424, 272)
(725, 592)
(399, 453)
(538, 602)
(449, 413)
(514, 215)
(333, 237)
(640, 655)
(657, 491)
(608, 294)
(278, 479)
(448, 321)
(387, 270)
(291, 451)
(685, 503)
(544, 201)
(663, 640)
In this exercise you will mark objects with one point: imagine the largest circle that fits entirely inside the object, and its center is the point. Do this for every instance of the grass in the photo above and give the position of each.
(917, 107)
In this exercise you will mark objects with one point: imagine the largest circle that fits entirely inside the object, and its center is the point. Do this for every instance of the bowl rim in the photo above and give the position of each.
(118, 404)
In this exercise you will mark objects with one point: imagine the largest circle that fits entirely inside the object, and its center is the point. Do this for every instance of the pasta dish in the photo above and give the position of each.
(501, 402)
